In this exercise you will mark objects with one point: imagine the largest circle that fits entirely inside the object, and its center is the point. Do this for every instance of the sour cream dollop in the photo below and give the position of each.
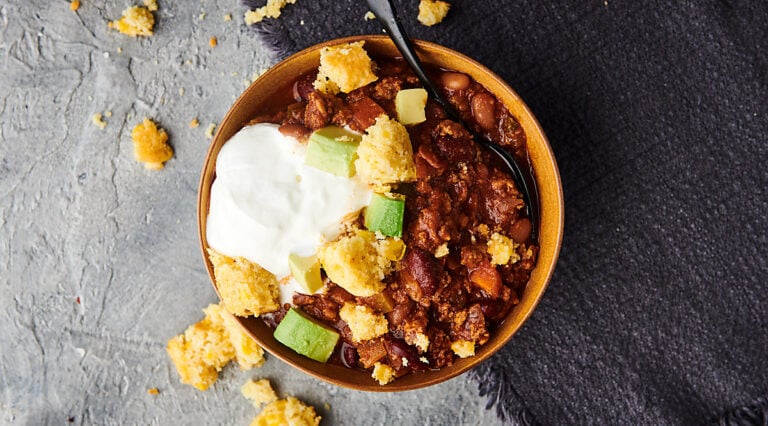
(266, 203)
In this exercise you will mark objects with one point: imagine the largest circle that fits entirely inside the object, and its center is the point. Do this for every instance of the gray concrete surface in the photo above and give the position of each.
(79, 218)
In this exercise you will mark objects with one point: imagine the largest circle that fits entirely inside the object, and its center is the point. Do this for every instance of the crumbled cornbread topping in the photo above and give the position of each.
(207, 346)
(288, 411)
(272, 9)
(227, 17)
(345, 68)
(209, 130)
(442, 250)
(74, 5)
(358, 262)
(432, 12)
(364, 323)
(136, 21)
(463, 348)
(385, 154)
(383, 373)
(502, 249)
(150, 145)
(245, 287)
(419, 340)
(98, 120)
(151, 5)
(259, 392)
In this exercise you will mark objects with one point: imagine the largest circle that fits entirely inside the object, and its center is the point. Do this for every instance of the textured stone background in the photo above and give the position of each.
(79, 218)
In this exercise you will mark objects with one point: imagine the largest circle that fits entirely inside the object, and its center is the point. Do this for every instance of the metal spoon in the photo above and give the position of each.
(385, 13)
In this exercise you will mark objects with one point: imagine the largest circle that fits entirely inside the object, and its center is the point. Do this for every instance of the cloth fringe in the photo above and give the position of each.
(755, 414)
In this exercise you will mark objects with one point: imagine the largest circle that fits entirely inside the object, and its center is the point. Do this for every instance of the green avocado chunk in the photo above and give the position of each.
(306, 271)
(333, 149)
(306, 335)
(385, 215)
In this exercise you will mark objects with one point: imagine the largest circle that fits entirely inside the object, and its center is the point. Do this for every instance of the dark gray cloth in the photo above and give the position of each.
(658, 115)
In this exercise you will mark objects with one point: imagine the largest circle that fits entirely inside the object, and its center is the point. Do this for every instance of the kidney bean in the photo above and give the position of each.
(454, 80)
(349, 355)
(422, 267)
(303, 87)
(399, 350)
(484, 110)
(520, 230)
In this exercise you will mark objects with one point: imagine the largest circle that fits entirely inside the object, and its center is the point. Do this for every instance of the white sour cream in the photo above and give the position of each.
(266, 203)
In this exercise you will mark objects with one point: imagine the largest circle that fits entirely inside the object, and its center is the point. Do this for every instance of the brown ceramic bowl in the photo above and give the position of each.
(274, 87)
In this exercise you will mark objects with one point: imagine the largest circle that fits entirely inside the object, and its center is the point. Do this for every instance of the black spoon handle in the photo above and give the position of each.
(385, 13)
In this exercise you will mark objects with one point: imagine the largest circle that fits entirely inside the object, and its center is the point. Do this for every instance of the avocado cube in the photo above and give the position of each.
(410, 105)
(306, 271)
(307, 336)
(385, 215)
(333, 149)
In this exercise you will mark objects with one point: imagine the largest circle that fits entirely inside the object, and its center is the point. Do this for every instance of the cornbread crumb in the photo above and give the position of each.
(201, 16)
(150, 145)
(213, 42)
(419, 340)
(194, 123)
(369, 16)
(245, 287)
(383, 373)
(502, 250)
(364, 323)
(288, 411)
(463, 348)
(344, 67)
(385, 154)
(119, 50)
(108, 114)
(74, 5)
(151, 5)
(227, 17)
(259, 392)
(442, 250)
(248, 353)
(209, 130)
(136, 21)
(98, 120)
(358, 262)
(153, 391)
(272, 9)
(432, 12)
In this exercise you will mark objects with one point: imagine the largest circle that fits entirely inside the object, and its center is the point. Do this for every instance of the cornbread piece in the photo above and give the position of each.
(420, 340)
(345, 68)
(463, 348)
(432, 12)
(136, 21)
(272, 9)
(74, 5)
(502, 249)
(288, 411)
(383, 373)
(385, 154)
(364, 323)
(369, 16)
(442, 250)
(151, 5)
(213, 42)
(209, 130)
(248, 353)
(194, 123)
(150, 145)
(153, 391)
(259, 392)
(245, 287)
(98, 120)
(358, 262)
(207, 346)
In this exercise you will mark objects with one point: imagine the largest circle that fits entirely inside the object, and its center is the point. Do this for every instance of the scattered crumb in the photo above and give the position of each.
(201, 16)
(153, 391)
(194, 123)
(209, 130)
(150, 145)
(119, 50)
(383, 373)
(288, 411)
(74, 5)
(136, 21)
(272, 9)
(208, 345)
(245, 288)
(151, 5)
(227, 17)
(301, 22)
(344, 67)
(419, 340)
(502, 250)
(432, 12)
(181, 91)
(108, 114)
(213, 42)
(259, 392)
(369, 16)
(99, 121)
(327, 406)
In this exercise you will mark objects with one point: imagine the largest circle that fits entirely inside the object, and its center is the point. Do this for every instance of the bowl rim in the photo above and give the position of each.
(433, 377)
